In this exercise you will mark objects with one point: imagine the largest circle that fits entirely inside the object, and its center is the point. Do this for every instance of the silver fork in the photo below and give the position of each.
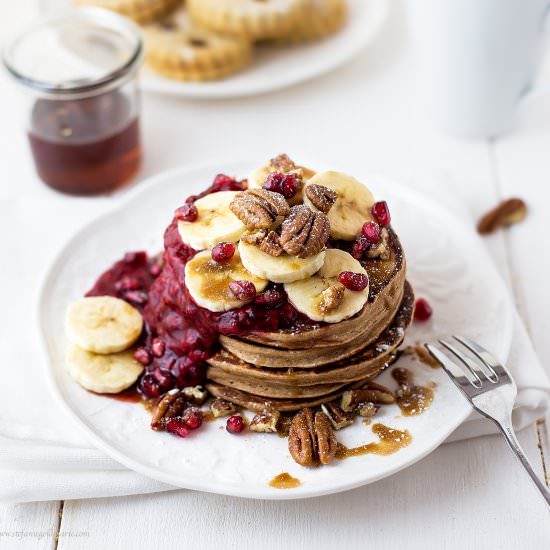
(488, 386)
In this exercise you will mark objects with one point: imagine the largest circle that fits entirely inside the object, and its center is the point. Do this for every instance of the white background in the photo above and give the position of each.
(467, 494)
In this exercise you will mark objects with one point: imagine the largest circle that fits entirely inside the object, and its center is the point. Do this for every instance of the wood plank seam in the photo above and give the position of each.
(59, 521)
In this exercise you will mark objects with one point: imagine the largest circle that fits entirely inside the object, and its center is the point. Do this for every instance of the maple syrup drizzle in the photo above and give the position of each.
(422, 354)
(410, 398)
(390, 441)
(285, 481)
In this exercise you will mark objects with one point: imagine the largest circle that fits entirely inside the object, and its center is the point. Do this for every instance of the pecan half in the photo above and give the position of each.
(265, 421)
(259, 208)
(355, 399)
(271, 245)
(338, 418)
(311, 438)
(323, 198)
(508, 212)
(304, 233)
(195, 394)
(170, 406)
(331, 298)
(220, 407)
(282, 162)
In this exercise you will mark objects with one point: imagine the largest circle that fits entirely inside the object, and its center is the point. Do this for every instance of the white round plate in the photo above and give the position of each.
(446, 263)
(275, 68)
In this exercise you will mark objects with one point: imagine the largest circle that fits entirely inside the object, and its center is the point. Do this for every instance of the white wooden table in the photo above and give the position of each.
(467, 494)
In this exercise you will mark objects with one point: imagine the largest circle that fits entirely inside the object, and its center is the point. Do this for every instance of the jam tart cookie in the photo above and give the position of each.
(253, 19)
(140, 11)
(179, 48)
(324, 17)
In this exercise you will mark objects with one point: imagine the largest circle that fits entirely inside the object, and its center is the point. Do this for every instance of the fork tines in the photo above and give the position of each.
(483, 374)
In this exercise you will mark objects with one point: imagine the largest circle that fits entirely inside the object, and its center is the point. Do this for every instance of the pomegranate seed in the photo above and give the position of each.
(149, 386)
(371, 231)
(165, 380)
(177, 427)
(422, 310)
(136, 297)
(274, 182)
(158, 347)
(381, 213)
(155, 270)
(271, 298)
(289, 186)
(360, 245)
(243, 290)
(235, 424)
(353, 281)
(192, 418)
(187, 213)
(143, 356)
(223, 252)
(126, 283)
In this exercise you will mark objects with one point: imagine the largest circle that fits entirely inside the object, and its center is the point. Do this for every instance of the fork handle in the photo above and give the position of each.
(510, 436)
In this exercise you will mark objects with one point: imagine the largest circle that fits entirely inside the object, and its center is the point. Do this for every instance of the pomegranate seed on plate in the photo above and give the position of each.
(243, 290)
(235, 424)
(143, 356)
(149, 386)
(187, 213)
(353, 281)
(158, 347)
(178, 427)
(381, 213)
(192, 418)
(422, 310)
(371, 231)
(289, 186)
(223, 252)
(360, 245)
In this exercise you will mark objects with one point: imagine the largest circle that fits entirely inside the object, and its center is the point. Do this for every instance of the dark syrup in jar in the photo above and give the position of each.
(85, 146)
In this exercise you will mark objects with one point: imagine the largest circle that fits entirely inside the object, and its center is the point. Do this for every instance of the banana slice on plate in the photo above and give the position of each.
(208, 281)
(103, 324)
(352, 207)
(111, 373)
(279, 269)
(322, 297)
(215, 222)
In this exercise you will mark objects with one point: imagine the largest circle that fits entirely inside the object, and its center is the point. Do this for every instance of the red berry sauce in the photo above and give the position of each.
(179, 335)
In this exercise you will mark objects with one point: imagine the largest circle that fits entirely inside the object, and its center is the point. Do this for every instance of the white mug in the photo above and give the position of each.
(475, 59)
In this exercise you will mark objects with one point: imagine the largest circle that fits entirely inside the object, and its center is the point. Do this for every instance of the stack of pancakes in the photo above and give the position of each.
(298, 368)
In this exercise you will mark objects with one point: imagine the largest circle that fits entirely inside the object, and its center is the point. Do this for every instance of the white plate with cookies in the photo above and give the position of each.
(272, 63)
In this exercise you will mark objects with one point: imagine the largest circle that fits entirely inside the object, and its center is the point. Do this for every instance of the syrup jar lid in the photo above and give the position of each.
(79, 53)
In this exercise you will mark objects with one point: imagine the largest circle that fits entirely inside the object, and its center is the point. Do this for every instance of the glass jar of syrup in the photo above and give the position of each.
(78, 72)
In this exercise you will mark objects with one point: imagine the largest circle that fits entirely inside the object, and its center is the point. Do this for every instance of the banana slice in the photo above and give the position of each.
(353, 205)
(307, 296)
(279, 269)
(215, 222)
(103, 324)
(208, 281)
(257, 177)
(111, 373)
